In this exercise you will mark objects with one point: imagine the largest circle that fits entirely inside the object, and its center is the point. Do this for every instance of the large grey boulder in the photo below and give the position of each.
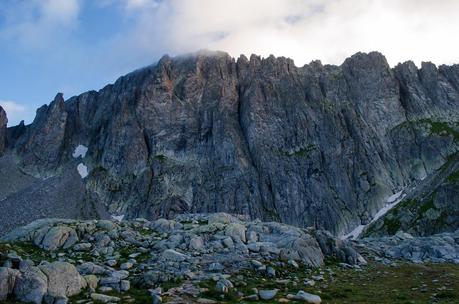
(237, 232)
(63, 279)
(7, 281)
(31, 286)
(56, 237)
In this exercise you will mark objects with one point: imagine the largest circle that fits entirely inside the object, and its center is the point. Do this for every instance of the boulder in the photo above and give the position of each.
(7, 280)
(267, 294)
(57, 237)
(237, 232)
(31, 286)
(63, 279)
(307, 297)
(174, 256)
(104, 298)
(197, 243)
(92, 281)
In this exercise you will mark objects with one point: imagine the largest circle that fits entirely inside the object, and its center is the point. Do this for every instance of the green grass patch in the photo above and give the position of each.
(161, 157)
(453, 177)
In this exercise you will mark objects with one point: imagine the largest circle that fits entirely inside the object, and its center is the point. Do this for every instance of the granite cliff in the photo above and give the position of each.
(318, 145)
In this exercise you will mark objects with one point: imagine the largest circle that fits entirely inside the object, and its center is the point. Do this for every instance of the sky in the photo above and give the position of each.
(71, 46)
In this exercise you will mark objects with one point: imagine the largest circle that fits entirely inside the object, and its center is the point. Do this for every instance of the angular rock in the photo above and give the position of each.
(7, 281)
(237, 232)
(31, 286)
(197, 243)
(172, 255)
(63, 279)
(59, 236)
(92, 281)
(104, 298)
(307, 297)
(267, 294)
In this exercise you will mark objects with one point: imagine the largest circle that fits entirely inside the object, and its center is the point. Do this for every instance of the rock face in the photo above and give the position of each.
(317, 145)
(431, 208)
(3, 122)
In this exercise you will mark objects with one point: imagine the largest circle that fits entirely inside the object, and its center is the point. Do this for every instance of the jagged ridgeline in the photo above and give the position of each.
(318, 145)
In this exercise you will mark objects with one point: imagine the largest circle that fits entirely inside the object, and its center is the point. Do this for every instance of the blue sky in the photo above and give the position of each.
(71, 46)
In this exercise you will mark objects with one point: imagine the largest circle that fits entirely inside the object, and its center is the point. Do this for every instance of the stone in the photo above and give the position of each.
(223, 286)
(254, 247)
(109, 281)
(82, 247)
(293, 263)
(59, 236)
(228, 242)
(121, 274)
(156, 299)
(267, 294)
(271, 272)
(63, 279)
(216, 267)
(206, 301)
(197, 243)
(90, 268)
(106, 225)
(61, 300)
(92, 281)
(31, 286)
(126, 266)
(308, 297)
(253, 297)
(173, 255)
(125, 285)
(104, 298)
(7, 281)
(256, 264)
(236, 231)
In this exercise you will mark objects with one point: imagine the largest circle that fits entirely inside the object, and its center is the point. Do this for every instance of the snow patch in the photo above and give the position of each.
(118, 218)
(82, 170)
(354, 233)
(394, 197)
(392, 201)
(80, 150)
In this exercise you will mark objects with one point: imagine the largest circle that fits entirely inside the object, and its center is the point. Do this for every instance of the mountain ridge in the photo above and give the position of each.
(318, 145)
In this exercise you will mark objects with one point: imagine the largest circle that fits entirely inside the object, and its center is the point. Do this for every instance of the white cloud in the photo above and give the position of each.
(39, 23)
(302, 29)
(16, 112)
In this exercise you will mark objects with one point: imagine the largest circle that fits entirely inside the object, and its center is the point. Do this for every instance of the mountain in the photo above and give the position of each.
(3, 122)
(318, 145)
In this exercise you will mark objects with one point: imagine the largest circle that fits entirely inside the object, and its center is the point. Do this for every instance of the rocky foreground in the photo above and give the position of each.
(52, 260)
(192, 259)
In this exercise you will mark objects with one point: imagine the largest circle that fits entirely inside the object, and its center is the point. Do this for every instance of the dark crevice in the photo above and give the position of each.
(251, 156)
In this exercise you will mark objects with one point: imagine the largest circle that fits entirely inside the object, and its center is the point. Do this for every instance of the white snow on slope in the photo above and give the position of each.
(118, 218)
(82, 170)
(80, 150)
(392, 201)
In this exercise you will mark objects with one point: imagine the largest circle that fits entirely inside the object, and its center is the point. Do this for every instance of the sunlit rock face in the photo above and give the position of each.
(317, 145)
